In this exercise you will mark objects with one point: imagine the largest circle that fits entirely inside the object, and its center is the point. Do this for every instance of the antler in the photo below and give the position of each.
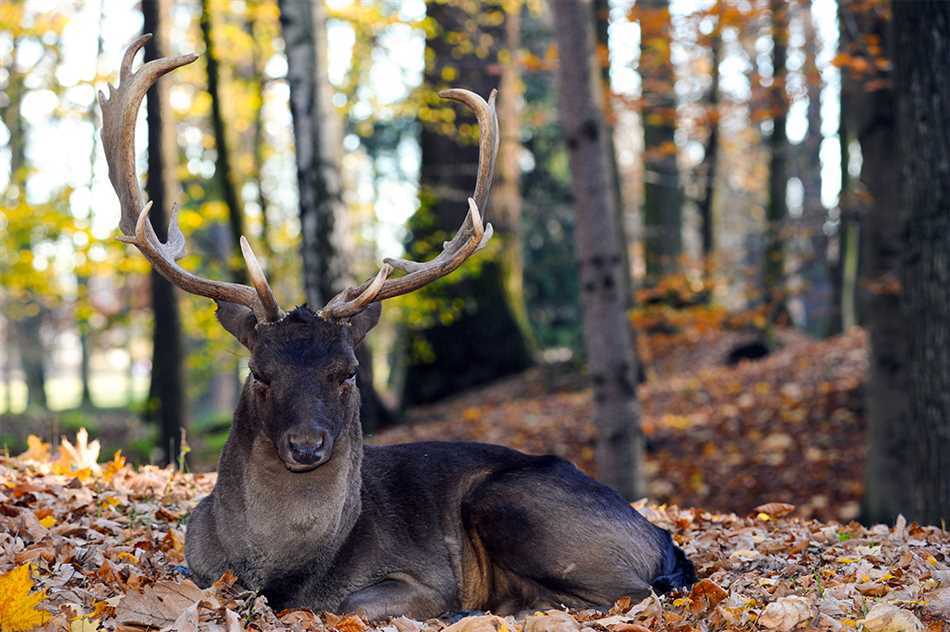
(119, 111)
(471, 237)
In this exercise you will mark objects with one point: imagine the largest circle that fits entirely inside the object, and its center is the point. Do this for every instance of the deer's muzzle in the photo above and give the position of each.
(306, 449)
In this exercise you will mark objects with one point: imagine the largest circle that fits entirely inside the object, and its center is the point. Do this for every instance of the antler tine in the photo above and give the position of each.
(471, 236)
(119, 112)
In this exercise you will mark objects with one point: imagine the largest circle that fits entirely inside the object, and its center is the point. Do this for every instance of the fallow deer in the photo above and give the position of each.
(306, 514)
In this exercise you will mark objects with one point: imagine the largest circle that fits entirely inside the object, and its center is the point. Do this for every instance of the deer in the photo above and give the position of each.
(305, 513)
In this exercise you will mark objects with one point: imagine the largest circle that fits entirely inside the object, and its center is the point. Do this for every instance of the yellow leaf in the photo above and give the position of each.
(49, 522)
(36, 450)
(108, 502)
(18, 604)
(112, 467)
(83, 624)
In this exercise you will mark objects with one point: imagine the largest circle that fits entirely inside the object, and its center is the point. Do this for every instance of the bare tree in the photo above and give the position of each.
(610, 356)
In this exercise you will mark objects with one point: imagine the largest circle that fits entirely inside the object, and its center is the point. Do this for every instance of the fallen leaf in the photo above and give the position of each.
(938, 603)
(786, 613)
(75, 458)
(775, 510)
(158, 605)
(18, 601)
(300, 619)
(884, 617)
(551, 621)
(872, 589)
(482, 623)
(349, 623)
(706, 594)
(112, 467)
(36, 450)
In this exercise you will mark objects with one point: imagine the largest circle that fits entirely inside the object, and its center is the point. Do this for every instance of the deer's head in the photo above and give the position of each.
(303, 366)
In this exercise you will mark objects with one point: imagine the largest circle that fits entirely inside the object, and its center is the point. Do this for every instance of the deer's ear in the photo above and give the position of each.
(364, 321)
(239, 321)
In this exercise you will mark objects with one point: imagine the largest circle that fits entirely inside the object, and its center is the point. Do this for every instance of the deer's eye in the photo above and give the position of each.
(260, 380)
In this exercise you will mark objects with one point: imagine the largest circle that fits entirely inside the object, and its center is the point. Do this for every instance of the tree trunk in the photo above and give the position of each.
(450, 356)
(86, 344)
(32, 358)
(223, 171)
(777, 209)
(260, 81)
(28, 319)
(874, 114)
(817, 295)
(662, 194)
(167, 399)
(602, 22)
(711, 154)
(611, 361)
(318, 173)
(506, 194)
(922, 86)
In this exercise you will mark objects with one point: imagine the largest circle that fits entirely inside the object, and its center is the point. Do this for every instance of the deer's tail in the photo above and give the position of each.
(676, 571)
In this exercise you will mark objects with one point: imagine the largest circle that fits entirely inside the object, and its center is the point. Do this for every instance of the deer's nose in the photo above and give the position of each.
(309, 448)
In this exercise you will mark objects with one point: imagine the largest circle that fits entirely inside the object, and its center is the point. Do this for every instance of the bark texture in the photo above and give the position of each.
(602, 23)
(662, 192)
(922, 85)
(872, 114)
(318, 171)
(167, 400)
(611, 361)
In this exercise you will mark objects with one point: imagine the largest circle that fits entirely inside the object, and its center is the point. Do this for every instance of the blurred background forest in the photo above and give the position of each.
(749, 184)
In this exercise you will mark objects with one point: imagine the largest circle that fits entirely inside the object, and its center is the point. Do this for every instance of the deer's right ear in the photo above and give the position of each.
(239, 321)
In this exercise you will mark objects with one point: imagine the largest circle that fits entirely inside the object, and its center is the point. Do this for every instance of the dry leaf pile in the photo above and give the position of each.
(85, 551)
(789, 427)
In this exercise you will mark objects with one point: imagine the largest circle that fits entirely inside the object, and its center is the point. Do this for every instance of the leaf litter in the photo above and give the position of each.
(113, 559)
(88, 546)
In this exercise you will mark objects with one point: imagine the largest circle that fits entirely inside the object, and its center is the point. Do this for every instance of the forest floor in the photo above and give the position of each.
(786, 428)
(102, 547)
(761, 450)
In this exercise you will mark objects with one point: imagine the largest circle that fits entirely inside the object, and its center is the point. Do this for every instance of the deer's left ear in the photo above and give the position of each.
(239, 321)
(364, 321)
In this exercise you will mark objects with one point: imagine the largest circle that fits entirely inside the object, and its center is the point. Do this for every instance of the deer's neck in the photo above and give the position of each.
(288, 519)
